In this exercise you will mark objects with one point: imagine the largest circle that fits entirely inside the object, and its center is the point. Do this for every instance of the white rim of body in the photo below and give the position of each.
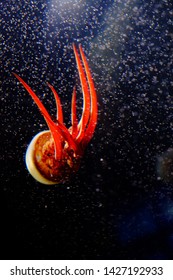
(30, 164)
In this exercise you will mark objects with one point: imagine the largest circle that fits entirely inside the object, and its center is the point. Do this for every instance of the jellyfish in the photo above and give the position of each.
(55, 154)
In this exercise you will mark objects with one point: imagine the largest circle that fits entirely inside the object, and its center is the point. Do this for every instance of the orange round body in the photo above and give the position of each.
(47, 169)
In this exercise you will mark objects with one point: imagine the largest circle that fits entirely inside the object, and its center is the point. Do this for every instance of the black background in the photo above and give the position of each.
(116, 206)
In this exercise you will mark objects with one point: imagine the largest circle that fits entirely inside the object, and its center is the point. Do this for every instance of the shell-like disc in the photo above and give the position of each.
(30, 162)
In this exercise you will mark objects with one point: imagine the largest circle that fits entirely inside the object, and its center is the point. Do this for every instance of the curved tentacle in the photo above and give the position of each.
(56, 134)
(57, 140)
(73, 115)
(58, 104)
(86, 97)
(93, 110)
(33, 95)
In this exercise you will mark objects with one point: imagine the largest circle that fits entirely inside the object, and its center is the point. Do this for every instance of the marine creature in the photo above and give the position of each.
(55, 154)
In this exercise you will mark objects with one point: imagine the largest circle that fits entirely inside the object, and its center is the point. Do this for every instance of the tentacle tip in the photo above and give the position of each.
(14, 74)
(80, 47)
(17, 76)
(74, 46)
(49, 85)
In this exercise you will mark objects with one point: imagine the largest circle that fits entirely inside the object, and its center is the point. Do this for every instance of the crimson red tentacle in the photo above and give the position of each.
(93, 109)
(58, 104)
(56, 134)
(73, 115)
(86, 97)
